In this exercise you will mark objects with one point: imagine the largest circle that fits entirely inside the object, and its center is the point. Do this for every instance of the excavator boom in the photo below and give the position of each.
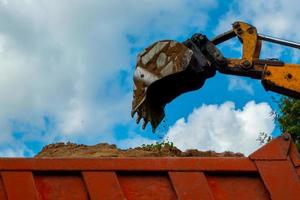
(168, 69)
(275, 75)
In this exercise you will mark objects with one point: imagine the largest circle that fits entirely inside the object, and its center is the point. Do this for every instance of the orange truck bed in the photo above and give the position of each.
(272, 172)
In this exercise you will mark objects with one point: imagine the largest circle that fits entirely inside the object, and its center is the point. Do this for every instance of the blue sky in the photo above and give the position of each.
(67, 72)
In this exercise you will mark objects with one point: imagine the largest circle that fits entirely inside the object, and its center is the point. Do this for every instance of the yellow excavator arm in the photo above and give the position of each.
(276, 75)
(167, 69)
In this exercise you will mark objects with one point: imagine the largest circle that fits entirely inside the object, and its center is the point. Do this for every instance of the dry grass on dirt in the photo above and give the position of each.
(107, 150)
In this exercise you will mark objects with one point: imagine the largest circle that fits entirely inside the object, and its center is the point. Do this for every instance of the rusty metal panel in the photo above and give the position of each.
(237, 186)
(19, 185)
(271, 172)
(60, 187)
(294, 155)
(277, 149)
(191, 186)
(213, 164)
(103, 185)
(298, 171)
(2, 190)
(147, 186)
(280, 178)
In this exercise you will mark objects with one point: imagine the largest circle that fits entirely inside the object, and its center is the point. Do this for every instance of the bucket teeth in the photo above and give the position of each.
(139, 117)
(145, 123)
(133, 113)
(153, 129)
(150, 113)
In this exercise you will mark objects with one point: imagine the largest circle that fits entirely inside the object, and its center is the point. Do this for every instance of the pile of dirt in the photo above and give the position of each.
(107, 150)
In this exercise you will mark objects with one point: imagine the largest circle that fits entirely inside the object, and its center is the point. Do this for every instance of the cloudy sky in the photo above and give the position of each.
(66, 72)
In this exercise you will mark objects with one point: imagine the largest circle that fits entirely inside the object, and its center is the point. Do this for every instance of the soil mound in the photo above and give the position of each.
(72, 150)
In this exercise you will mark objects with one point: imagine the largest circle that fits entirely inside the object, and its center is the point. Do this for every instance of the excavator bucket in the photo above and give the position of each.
(165, 70)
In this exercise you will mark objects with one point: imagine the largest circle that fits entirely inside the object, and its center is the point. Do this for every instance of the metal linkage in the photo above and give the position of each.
(279, 41)
(223, 37)
(230, 34)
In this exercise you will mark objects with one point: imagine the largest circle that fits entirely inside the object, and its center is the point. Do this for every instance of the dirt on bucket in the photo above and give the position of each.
(72, 150)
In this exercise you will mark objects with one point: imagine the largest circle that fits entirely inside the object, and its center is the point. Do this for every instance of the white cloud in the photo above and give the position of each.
(223, 127)
(276, 16)
(62, 60)
(237, 83)
(11, 153)
(134, 141)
